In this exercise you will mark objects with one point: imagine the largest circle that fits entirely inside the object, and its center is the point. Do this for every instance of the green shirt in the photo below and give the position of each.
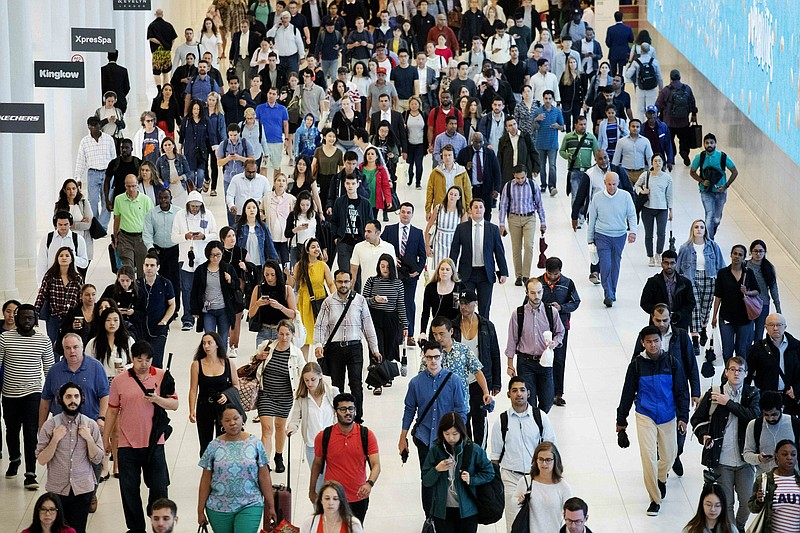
(588, 146)
(369, 176)
(131, 213)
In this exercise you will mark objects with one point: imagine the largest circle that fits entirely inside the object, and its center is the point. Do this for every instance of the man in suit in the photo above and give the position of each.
(516, 148)
(483, 170)
(409, 248)
(480, 246)
(243, 44)
(619, 37)
(395, 120)
(115, 78)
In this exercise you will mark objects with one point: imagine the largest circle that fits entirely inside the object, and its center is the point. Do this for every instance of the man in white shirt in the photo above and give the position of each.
(288, 43)
(525, 427)
(367, 252)
(544, 80)
(249, 184)
(63, 236)
(184, 48)
(499, 44)
(95, 152)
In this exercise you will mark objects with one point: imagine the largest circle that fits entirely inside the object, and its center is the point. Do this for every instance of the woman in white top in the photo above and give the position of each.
(111, 120)
(211, 39)
(332, 513)
(547, 488)
(70, 199)
(260, 56)
(362, 81)
(313, 408)
(657, 184)
(499, 14)
(275, 207)
(549, 51)
(434, 61)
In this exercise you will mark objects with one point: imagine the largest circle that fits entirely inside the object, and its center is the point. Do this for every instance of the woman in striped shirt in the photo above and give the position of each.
(60, 290)
(778, 492)
(386, 301)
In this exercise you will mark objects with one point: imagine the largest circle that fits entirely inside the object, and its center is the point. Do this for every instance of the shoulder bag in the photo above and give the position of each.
(522, 522)
(430, 404)
(341, 319)
(753, 304)
(316, 304)
(642, 198)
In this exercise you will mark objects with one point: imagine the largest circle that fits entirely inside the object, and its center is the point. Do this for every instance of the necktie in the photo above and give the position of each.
(404, 241)
(477, 246)
(479, 168)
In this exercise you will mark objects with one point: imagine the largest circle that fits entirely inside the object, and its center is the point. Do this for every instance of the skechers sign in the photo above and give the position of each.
(21, 118)
(59, 74)
(93, 40)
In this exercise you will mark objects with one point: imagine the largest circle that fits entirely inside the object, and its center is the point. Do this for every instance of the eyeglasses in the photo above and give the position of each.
(737, 370)
(758, 251)
(574, 522)
(545, 460)
(149, 120)
(432, 357)
(48, 510)
(216, 255)
(776, 325)
(350, 409)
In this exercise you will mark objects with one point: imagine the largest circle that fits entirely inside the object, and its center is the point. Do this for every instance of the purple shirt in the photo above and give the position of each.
(532, 341)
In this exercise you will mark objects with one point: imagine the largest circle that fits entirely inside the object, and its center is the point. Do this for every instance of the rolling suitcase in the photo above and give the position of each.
(283, 493)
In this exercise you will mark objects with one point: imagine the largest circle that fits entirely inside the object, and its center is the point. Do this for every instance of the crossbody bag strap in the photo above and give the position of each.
(435, 395)
(574, 157)
(341, 318)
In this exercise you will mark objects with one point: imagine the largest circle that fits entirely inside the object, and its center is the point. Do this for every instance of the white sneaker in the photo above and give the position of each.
(232, 353)
(652, 262)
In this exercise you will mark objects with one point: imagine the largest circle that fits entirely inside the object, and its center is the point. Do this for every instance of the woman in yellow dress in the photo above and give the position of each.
(311, 268)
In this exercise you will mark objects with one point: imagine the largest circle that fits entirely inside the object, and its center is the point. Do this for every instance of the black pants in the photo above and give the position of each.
(427, 492)
(476, 417)
(339, 360)
(479, 282)
(170, 269)
(559, 362)
(359, 509)
(207, 424)
(76, 510)
(617, 66)
(22, 414)
(683, 137)
(283, 251)
(133, 464)
(387, 329)
(212, 162)
(453, 523)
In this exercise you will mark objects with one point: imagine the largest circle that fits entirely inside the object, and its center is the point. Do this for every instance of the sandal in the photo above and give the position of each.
(378, 391)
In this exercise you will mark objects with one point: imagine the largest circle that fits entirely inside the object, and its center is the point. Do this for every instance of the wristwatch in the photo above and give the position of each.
(371, 483)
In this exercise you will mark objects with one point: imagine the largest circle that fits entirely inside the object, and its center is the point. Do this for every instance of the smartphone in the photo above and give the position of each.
(149, 392)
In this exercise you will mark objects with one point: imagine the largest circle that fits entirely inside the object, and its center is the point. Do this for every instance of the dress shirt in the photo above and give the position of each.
(514, 146)
(71, 469)
(287, 40)
(244, 42)
(633, 154)
(540, 83)
(94, 154)
(519, 199)
(532, 340)
(521, 439)
(158, 227)
(241, 189)
(313, 8)
(422, 75)
(367, 255)
(387, 116)
(462, 362)
(47, 254)
(357, 324)
(421, 389)
(670, 284)
(400, 228)
(478, 239)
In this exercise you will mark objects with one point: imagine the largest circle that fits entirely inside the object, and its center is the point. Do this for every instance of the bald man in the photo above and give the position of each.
(773, 363)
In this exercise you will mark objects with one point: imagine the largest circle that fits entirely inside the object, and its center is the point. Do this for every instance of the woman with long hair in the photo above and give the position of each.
(377, 179)
(311, 270)
(71, 200)
(60, 290)
(362, 80)
(150, 183)
(254, 135)
(272, 300)
(125, 293)
(636, 50)
(546, 40)
(440, 297)
(48, 516)
(328, 161)
(211, 374)
(472, 115)
(275, 207)
(332, 512)
(389, 147)
(313, 409)
(212, 297)
(304, 223)
(434, 60)
(572, 89)
(345, 123)
(100, 305)
(603, 78)
(235, 484)
(712, 513)
(385, 297)
(167, 109)
(657, 184)
(446, 472)
(306, 138)
(547, 488)
(699, 260)
(767, 279)
(195, 139)
(338, 91)
(211, 39)
(733, 283)
(415, 124)
(779, 500)
(278, 376)
(444, 219)
(253, 235)
(235, 256)
(111, 118)
(174, 172)
(79, 319)
(217, 132)
(303, 179)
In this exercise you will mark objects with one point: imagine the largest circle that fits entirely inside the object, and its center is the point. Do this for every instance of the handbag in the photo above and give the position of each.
(759, 523)
(248, 371)
(522, 522)
(395, 203)
(642, 198)
(316, 304)
(695, 135)
(381, 373)
(203, 528)
(248, 391)
(239, 303)
(96, 229)
(428, 526)
(753, 304)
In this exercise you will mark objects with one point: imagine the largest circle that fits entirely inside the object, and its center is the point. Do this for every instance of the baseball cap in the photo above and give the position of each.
(380, 70)
(328, 21)
(652, 108)
(467, 296)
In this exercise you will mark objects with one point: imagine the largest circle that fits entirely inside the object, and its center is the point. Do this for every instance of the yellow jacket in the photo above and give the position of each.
(437, 189)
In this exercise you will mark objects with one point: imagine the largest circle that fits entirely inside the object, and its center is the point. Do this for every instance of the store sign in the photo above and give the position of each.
(132, 5)
(61, 74)
(21, 118)
(93, 40)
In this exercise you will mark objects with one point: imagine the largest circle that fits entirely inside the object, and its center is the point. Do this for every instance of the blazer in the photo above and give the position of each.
(115, 78)
(618, 37)
(321, 8)
(491, 167)
(493, 250)
(527, 156)
(415, 256)
(397, 126)
(253, 42)
(281, 79)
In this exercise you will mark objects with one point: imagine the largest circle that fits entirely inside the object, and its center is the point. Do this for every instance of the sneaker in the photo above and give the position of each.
(607, 302)
(279, 466)
(559, 401)
(403, 370)
(677, 467)
(553, 191)
(233, 353)
(594, 277)
(13, 468)
(651, 262)
(419, 187)
(543, 188)
(213, 193)
(662, 488)
(653, 509)
(30, 482)
(518, 283)
(186, 327)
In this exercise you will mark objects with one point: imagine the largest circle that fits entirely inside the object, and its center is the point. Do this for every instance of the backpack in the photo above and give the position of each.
(646, 78)
(712, 174)
(508, 194)
(74, 240)
(326, 438)
(490, 497)
(759, 425)
(293, 108)
(679, 102)
(537, 417)
(260, 130)
(245, 145)
(521, 318)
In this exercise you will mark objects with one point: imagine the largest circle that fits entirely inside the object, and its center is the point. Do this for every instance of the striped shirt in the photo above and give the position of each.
(356, 325)
(522, 199)
(26, 361)
(61, 298)
(71, 468)
(393, 290)
(94, 154)
(785, 505)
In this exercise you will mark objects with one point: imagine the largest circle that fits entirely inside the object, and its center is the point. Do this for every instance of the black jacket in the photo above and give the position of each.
(339, 218)
(564, 294)
(397, 127)
(683, 301)
(527, 155)
(199, 291)
(762, 368)
(253, 42)
(714, 425)
(336, 187)
(582, 197)
(115, 78)
(234, 111)
(488, 350)
(281, 79)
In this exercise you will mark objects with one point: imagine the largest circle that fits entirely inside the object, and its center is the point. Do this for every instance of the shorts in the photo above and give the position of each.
(275, 153)
(162, 61)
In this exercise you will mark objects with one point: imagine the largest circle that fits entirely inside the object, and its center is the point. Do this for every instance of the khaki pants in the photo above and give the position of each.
(510, 480)
(522, 230)
(633, 175)
(402, 105)
(658, 447)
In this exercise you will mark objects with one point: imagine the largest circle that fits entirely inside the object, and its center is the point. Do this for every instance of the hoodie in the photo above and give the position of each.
(203, 222)
(438, 185)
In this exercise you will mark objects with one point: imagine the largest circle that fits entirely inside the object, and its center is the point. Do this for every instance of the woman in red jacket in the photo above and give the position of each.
(377, 179)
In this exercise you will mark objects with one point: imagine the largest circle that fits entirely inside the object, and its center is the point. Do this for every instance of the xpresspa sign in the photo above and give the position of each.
(93, 40)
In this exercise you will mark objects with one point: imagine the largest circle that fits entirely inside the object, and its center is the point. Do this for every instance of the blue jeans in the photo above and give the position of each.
(539, 380)
(198, 176)
(290, 63)
(266, 333)
(187, 279)
(547, 172)
(330, 67)
(217, 320)
(574, 184)
(735, 338)
(713, 204)
(609, 249)
(95, 179)
(133, 464)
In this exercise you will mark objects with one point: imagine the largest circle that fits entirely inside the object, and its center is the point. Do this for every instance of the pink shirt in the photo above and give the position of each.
(135, 412)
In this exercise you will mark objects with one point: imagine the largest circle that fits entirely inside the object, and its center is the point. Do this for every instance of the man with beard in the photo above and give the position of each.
(164, 516)
(758, 444)
(119, 167)
(709, 170)
(70, 445)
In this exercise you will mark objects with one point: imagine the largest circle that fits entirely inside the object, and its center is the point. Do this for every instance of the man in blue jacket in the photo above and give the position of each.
(656, 384)
(658, 134)
(619, 37)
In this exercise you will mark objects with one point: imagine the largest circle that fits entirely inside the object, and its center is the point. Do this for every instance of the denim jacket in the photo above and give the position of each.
(181, 166)
(687, 260)
(265, 244)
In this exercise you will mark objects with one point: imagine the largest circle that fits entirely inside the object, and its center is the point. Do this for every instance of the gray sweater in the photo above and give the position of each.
(660, 186)
(768, 441)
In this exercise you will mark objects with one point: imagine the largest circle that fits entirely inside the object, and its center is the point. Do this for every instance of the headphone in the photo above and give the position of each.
(62, 215)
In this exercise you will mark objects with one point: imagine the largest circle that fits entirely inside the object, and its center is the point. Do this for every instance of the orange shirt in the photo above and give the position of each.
(135, 417)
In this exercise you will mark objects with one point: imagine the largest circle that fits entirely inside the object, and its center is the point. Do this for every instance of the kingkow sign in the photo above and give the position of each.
(93, 40)
(61, 74)
(21, 118)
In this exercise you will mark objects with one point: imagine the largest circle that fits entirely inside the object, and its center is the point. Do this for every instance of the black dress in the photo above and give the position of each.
(207, 408)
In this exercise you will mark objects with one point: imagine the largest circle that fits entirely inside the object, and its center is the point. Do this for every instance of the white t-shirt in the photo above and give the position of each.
(701, 259)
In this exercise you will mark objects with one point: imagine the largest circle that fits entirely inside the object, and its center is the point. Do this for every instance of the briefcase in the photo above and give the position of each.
(695, 135)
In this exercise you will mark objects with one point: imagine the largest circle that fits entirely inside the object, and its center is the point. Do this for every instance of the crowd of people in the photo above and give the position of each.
(350, 96)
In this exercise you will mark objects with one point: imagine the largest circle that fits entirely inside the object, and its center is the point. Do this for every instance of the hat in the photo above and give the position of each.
(607, 89)
(577, 11)
(674, 74)
(467, 296)
(652, 108)
(380, 70)
(328, 21)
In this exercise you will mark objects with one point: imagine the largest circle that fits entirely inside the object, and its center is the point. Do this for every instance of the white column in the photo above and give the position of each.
(8, 278)
(604, 17)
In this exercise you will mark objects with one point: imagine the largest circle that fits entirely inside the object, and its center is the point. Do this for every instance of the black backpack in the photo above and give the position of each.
(548, 311)
(74, 240)
(647, 78)
(713, 174)
(759, 425)
(537, 417)
(679, 102)
(326, 438)
(490, 497)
